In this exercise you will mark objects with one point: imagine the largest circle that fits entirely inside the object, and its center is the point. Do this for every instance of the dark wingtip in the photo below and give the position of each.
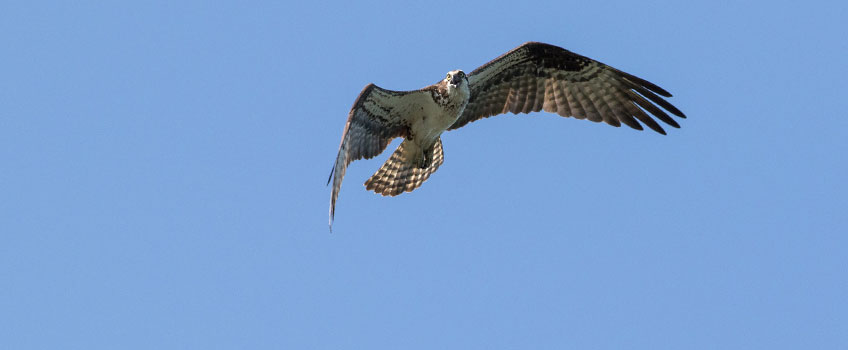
(332, 215)
(671, 108)
(333, 202)
(656, 89)
(647, 84)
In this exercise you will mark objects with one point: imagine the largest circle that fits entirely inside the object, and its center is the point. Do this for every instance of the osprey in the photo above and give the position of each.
(530, 78)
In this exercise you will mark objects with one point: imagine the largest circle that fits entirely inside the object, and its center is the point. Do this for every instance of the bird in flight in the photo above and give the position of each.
(529, 78)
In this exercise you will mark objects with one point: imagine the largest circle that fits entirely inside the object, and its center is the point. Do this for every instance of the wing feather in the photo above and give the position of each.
(377, 117)
(537, 76)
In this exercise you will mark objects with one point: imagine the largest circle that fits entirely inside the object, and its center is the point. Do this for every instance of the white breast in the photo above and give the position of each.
(435, 118)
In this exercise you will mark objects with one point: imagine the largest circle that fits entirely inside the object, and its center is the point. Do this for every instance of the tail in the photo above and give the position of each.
(406, 170)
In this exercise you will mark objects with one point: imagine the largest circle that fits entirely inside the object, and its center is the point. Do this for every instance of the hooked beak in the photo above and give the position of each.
(455, 79)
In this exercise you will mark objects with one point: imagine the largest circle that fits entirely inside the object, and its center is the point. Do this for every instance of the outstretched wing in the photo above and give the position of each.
(377, 116)
(537, 76)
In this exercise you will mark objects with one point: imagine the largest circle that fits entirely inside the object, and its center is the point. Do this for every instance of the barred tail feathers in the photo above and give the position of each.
(406, 170)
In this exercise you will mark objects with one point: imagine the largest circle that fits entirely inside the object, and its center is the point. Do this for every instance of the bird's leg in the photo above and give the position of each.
(426, 159)
(418, 156)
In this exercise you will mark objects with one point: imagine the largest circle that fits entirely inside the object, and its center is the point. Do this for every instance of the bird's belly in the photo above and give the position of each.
(430, 126)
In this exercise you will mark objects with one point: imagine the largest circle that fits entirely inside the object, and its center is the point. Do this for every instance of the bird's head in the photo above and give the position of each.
(456, 78)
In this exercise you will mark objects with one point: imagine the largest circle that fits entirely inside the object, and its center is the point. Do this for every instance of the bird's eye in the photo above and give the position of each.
(448, 77)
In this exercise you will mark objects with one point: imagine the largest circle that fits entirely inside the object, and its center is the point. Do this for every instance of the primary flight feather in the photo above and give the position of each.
(530, 78)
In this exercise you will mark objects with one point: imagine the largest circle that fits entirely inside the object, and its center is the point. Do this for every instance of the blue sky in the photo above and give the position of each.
(164, 167)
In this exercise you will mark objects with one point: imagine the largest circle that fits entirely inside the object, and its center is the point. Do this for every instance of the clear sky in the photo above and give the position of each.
(163, 170)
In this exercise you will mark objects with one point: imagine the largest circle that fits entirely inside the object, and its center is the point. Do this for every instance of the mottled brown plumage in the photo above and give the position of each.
(397, 175)
(537, 76)
(530, 78)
